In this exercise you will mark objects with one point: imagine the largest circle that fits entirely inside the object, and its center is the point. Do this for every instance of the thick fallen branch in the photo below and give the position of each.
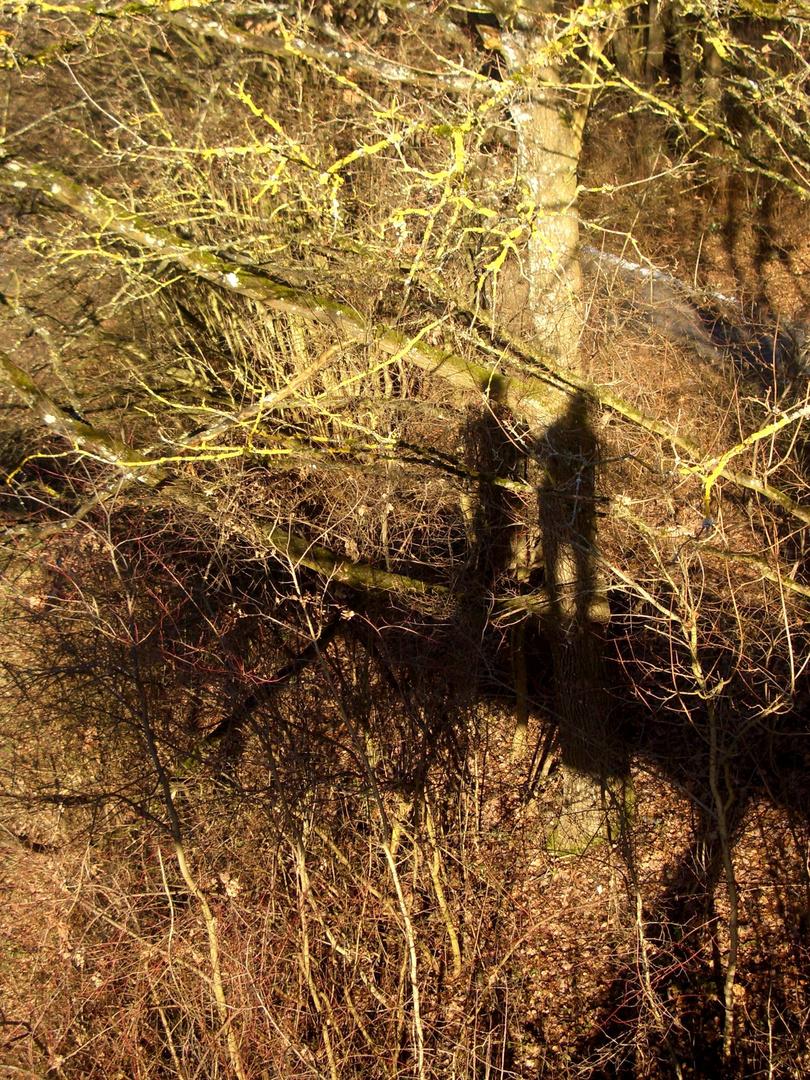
(343, 54)
(294, 549)
(532, 399)
(84, 437)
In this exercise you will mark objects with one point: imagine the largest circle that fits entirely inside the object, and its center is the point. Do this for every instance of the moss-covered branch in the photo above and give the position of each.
(83, 436)
(301, 552)
(538, 402)
(609, 400)
(533, 399)
(294, 549)
(343, 54)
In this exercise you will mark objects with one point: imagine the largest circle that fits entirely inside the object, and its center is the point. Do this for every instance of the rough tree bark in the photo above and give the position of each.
(549, 122)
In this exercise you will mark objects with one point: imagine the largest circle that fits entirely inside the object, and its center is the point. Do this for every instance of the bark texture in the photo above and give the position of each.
(549, 129)
(549, 144)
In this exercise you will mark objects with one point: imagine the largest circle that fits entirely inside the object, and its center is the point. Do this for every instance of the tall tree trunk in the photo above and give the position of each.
(549, 134)
(549, 144)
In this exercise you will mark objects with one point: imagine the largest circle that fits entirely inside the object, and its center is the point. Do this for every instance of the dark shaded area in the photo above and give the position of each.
(575, 626)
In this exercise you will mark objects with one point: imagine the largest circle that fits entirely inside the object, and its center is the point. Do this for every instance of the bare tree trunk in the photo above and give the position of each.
(549, 141)
(654, 60)
(549, 145)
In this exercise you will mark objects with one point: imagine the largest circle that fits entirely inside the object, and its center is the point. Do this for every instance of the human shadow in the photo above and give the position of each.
(593, 758)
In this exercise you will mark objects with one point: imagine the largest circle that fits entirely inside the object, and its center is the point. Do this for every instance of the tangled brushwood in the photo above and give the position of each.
(404, 607)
